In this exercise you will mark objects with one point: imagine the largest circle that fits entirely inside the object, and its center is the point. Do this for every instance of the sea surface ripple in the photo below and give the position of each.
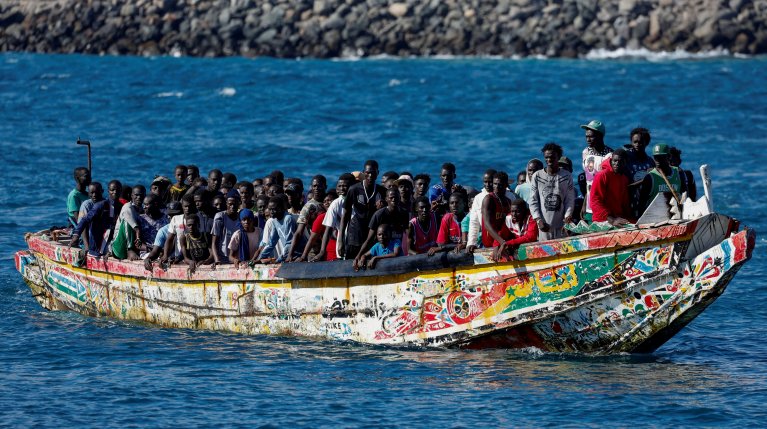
(145, 115)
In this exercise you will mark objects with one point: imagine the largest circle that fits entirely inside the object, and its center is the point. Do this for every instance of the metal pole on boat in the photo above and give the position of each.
(87, 143)
(707, 186)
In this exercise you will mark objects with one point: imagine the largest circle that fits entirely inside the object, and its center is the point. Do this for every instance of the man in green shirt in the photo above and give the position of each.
(663, 178)
(79, 194)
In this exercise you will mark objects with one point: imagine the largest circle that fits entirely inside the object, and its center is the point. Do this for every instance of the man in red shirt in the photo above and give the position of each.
(610, 193)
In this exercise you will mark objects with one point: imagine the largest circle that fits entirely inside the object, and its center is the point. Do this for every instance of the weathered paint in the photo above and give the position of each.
(599, 293)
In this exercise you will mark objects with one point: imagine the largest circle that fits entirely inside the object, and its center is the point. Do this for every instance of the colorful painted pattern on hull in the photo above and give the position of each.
(576, 301)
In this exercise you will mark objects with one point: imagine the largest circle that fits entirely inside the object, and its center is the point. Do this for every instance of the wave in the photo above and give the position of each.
(646, 54)
(177, 94)
(227, 92)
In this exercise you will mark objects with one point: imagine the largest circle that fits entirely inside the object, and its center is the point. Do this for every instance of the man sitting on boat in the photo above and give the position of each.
(100, 224)
(243, 247)
(386, 247)
(664, 178)
(195, 245)
(127, 239)
(522, 227)
(278, 233)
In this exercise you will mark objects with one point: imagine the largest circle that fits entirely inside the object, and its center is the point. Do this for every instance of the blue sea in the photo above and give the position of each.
(145, 115)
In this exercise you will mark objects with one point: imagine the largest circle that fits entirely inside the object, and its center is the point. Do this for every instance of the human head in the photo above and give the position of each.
(421, 184)
(519, 211)
(294, 194)
(245, 190)
(276, 207)
(159, 186)
(618, 160)
(405, 187)
(532, 166)
(447, 175)
(96, 192)
(115, 189)
(187, 205)
(137, 195)
(660, 153)
(675, 156)
(180, 172)
(192, 174)
(274, 190)
(329, 198)
(152, 205)
(232, 202)
(278, 176)
(199, 200)
(344, 182)
(458, 202)
(370, 171)
(551, 154)
(247, 220)
(521, 177)
(487, 179)
(82, 178)
(261, 202)
(392, 197)
(500, 183)
(319, 187)
(215, 178)
(566, 164)
(595, 133)
(383, 234)
(228, 180)
(422, 208)
(192, 223)
(640, 139)
(388, 179)
(219, 203)
(173, 208)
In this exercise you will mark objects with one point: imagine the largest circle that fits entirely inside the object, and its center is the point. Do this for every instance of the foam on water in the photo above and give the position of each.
(646, 54)
(227, 92)
(177, 94)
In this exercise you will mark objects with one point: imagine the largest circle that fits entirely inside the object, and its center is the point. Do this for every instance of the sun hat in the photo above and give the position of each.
(595, 125)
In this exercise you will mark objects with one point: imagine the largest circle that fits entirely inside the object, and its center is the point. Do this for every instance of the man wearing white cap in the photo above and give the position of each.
(595, 152)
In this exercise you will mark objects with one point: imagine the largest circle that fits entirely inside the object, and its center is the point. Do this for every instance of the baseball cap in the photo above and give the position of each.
(595, 125)
(405, 178)
(660, 149)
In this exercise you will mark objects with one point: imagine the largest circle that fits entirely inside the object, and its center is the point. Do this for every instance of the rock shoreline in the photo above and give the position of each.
(338, 28)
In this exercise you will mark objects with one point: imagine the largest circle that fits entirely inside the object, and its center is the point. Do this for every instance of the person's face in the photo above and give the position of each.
(370, 173)
(342, 186)
(517, 213)
(637, 144)
(84, 178)
(192, 174)
(180, 175)
(447, 177)
(155, 190)
(245, 193)
(421, 186)
(186, 207)
(276, 210)
(487, 182)
(219, 204)
(532, 167)
(114, 191)
(661, 161)
(675, 160)
(247, 224)
(383, 235)
(147, 205)
(232, 204)
(552, 159)
(593, 138)
(405, 190)
(456, 204)
(499, 186)
(422, 210)
(326, 202)
(95, 193)
(192, 226)
(522, 178)
(199, 202)
(392, 196)
(318, 189)
(137, 197)
(261, 207)
(268, 181)
(617, 163)
(272, 191)
(214, 181)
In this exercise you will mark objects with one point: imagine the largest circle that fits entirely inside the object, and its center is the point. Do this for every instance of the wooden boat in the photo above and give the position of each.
(623, 290)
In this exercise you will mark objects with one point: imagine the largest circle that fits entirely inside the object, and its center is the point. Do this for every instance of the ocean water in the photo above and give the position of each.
(145, 115)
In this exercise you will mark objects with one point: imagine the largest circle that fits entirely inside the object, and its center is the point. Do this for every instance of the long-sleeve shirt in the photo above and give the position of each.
(552, 199)
(277, 238)
(525, 233)
(98, 220)
(610, 195)
(475, 217)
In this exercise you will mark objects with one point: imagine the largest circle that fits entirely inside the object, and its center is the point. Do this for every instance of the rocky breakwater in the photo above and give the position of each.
(331, 28)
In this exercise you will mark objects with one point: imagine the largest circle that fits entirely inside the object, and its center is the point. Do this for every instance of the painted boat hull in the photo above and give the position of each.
(619, 291)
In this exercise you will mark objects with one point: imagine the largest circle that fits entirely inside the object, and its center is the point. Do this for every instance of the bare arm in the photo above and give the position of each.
(296, 238)
(488, 208)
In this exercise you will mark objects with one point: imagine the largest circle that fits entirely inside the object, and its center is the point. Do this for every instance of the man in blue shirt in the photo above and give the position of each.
(99, 220)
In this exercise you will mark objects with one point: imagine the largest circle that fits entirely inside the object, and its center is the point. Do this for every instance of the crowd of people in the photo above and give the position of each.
(219, 220)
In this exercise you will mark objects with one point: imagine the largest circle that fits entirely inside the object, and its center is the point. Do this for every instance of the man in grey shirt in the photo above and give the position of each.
(552, 195)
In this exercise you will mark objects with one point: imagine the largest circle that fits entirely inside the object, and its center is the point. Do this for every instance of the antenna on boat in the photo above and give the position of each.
(87, 143)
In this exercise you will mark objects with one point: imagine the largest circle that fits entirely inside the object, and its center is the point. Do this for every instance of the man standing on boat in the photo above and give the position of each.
(552, 197)
(100, 224)
(79, 194)
(475, 212)
(638, 165)
(663, 178)
(359, 207)
(593, 155)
